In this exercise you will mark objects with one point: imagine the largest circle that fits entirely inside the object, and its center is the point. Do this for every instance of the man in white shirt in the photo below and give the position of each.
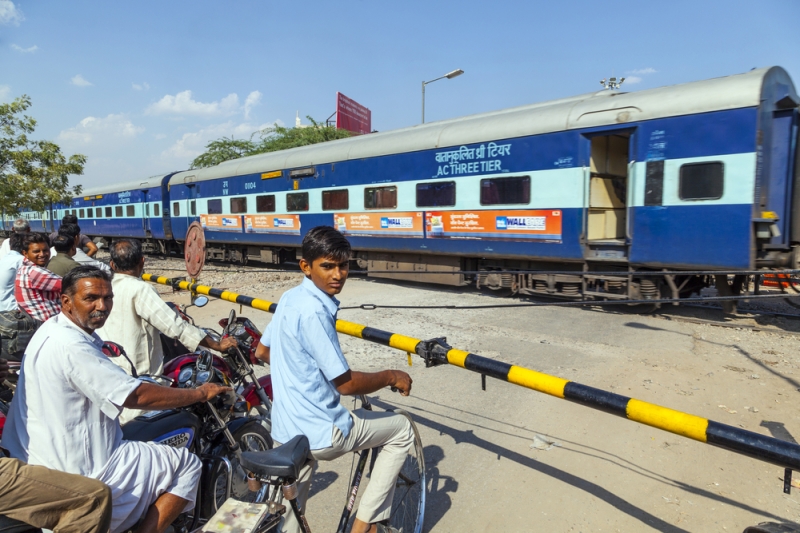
(140, 314)
(65, 409)
(20, 226)
(9, 264)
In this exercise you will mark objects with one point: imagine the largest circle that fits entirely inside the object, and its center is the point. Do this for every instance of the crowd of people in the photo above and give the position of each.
(63, 462)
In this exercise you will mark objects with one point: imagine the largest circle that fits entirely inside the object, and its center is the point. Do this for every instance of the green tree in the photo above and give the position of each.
(272, 139)
(33, 174)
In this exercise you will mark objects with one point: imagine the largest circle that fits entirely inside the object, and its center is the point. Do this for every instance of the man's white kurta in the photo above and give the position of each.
(139, 314)
(69, 395)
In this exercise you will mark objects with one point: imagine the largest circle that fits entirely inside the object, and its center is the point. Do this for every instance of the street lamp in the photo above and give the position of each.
(450, 75)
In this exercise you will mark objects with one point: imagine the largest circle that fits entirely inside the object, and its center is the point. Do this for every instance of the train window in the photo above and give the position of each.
(701, 181)
(118, 211)
(297, 201)
(380, 197)
(157, 210)
(80, 213)
(502, 191)
(98, 212)
(265, 203)
(440, 194)
(147, 210)
(108, 212)
(239, 205)
(89, 212)
(130, 210)
(214, 207)
(193, 207)
(654, 183)
(335, 200)
(176, 209)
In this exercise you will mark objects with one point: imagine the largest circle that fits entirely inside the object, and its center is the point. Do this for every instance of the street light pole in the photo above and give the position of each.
(449, 76)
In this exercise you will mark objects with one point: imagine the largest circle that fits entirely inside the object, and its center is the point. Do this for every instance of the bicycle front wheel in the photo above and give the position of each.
(408, 505)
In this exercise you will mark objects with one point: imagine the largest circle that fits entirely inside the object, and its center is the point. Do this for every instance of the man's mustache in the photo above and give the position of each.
(98, 314)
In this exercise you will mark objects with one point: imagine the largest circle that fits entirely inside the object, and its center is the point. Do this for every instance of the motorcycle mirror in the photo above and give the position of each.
(112, 349)
(204, 361)
(231, 320)
(200, 301)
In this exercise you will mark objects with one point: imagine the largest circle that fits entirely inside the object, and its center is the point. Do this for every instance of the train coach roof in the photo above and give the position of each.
(148, 183)
(583, 111)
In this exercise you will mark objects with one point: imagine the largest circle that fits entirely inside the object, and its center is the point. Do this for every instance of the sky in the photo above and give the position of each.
(141, 87)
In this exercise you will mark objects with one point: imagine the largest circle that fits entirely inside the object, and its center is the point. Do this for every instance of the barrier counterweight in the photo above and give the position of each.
(769, 449)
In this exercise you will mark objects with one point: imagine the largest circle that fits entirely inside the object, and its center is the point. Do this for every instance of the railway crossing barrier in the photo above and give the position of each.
(437, 352)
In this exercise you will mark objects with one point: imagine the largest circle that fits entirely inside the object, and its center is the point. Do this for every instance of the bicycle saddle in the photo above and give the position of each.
(284, 461)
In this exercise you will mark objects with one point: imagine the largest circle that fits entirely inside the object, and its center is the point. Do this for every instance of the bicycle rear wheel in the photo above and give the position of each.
(408, 505)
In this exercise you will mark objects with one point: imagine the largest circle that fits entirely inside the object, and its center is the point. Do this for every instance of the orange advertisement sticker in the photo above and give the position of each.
(541, 224)
(221, 222)
(395, 224)
(283, 224)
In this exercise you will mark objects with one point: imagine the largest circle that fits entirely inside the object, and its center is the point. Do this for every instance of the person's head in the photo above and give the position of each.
(36, 248)
(64, 245)
(21, 226)
(69, 219)
(15, 242)
(86, 296)
(71, 230)
(127, 256)
(326, 259)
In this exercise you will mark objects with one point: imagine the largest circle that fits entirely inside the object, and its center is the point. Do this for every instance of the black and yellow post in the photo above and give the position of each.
(436, 351)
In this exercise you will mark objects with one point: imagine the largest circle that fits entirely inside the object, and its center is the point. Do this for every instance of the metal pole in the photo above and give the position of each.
(423, 102)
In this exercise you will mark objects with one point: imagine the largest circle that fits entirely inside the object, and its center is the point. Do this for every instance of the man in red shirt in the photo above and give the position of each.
(37, 290)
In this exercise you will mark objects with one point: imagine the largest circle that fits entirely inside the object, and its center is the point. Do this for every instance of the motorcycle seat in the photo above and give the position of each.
(284, 461)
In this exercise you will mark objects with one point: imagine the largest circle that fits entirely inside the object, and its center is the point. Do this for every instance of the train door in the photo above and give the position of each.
(607, 213)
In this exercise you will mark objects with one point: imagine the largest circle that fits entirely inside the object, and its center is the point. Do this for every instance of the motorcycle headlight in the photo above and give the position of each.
(203, 377)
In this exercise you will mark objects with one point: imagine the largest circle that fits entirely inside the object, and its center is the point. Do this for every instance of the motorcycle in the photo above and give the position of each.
(210, 430)
(237, 365)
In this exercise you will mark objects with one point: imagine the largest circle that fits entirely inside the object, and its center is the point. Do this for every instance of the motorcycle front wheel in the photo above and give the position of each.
(252, 437)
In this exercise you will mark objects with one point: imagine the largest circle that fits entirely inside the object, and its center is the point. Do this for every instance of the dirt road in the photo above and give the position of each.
(605, 473)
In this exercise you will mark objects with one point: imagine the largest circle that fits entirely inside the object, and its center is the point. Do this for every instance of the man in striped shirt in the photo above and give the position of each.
(37, 290)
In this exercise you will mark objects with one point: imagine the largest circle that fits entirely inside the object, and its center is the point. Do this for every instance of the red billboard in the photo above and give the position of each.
(352, 116)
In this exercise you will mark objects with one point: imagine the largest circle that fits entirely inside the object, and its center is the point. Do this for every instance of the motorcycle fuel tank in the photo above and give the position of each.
(175, 427)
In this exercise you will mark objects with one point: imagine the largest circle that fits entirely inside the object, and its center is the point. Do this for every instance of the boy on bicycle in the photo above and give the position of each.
(309, 373)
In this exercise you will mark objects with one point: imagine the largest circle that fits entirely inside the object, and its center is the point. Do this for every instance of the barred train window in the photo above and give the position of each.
(176, 209)
(130, 210)
(265, 203)
(108, 212)
(239, 205)
(89, 212)
(98, 212)
(439, 194)
(380, 197)
(193, 208)
(701, 181)
(80, 213)
(504, 191)
(157, 210)
(214, 207)
(297, 201)
(118, 211)
(335, 200)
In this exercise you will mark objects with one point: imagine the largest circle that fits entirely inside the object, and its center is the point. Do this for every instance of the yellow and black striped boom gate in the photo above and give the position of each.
(437, 352)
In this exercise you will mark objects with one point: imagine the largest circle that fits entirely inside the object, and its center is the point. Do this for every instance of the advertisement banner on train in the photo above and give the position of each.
(379, 224)
(522, 225)
(282, 224)
(221, 222)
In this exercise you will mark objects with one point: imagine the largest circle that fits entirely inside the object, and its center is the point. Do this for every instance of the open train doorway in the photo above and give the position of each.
(607, 217)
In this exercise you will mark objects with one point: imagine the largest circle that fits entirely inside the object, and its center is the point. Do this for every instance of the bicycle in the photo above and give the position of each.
(277, 470)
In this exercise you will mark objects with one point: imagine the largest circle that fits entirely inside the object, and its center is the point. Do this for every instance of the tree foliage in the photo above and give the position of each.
(33, 174)
(270, 139)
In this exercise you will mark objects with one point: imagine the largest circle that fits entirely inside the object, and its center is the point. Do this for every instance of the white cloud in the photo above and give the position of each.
(28, 50)
(631, 80)
(192, 144)
(141, 86)
(252, 100)
(183, 104)
(648, 70)
(5, 93)
(80, 81)
(91, 130)
(9, 13)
